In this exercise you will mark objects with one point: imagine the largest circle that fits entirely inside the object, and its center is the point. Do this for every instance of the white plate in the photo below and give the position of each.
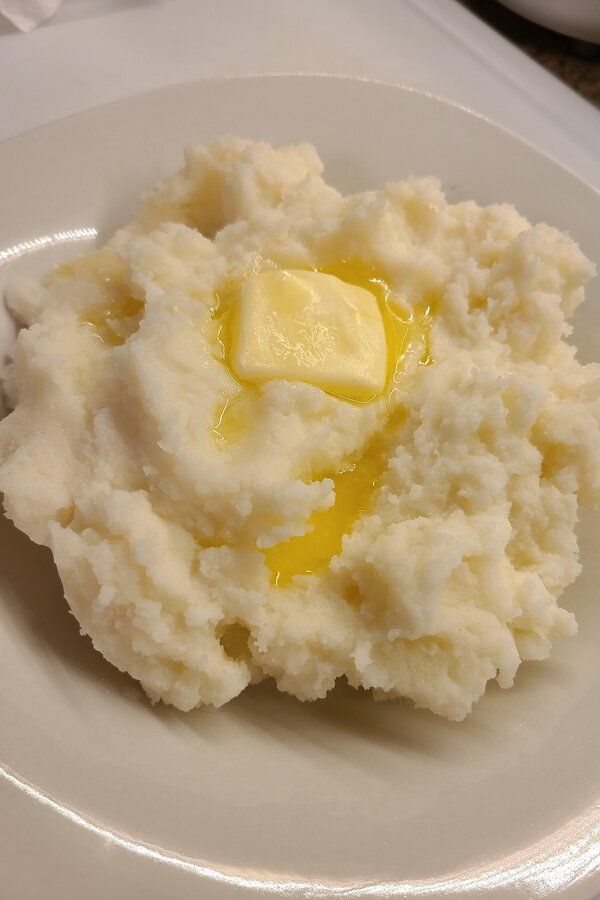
(102, 794)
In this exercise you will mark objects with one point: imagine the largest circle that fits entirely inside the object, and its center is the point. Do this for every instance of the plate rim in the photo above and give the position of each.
(297, 887)
(306, 77)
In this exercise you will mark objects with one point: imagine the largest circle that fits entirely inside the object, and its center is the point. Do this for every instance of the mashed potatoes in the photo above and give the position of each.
(170, 494)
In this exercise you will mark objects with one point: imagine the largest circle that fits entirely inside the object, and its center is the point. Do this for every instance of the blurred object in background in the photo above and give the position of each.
(26, 14)
(577, 18)
(573, 60)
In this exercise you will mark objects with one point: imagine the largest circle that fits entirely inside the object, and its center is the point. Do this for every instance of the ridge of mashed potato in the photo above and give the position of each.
(451, 578)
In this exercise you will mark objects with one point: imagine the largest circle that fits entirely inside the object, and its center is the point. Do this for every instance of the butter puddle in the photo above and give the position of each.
(115, 320)
(117, 315)
(407, 336)
(234, 418)
(354, 488)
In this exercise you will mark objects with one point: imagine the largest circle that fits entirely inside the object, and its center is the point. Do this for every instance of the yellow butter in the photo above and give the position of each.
(311, 327)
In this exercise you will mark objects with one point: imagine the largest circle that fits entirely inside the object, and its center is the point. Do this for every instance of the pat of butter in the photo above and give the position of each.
(310, 327)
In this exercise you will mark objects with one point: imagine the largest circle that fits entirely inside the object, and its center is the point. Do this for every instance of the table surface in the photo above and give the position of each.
(574, 62)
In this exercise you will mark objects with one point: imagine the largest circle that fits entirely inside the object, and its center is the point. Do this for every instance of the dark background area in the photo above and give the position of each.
(574, 62)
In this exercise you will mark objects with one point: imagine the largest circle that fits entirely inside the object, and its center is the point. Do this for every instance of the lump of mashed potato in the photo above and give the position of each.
(173, 497)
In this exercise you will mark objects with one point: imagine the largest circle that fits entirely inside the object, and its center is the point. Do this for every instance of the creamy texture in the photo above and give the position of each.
(175, 497)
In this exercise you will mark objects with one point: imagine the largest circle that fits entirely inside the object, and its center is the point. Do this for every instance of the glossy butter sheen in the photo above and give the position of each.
(353, 488)
(312, 327)
(355, 481)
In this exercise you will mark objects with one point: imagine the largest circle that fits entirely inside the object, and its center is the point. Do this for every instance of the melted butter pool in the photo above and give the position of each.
(117, 315)
(407, 335)
(354, 487)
